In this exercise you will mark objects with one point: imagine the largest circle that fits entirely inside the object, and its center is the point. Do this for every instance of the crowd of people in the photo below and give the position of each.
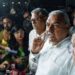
(46, 49)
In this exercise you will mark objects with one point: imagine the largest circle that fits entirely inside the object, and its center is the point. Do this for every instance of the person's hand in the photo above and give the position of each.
(2, 66)
(5, 62)
(7, 48)
(37, 45)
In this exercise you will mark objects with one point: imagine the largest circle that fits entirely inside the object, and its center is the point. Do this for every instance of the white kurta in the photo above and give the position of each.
(33, 34)
(33, 58)
(56, 60)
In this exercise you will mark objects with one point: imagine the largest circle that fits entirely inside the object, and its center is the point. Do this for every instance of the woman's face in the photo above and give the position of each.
(19, 35)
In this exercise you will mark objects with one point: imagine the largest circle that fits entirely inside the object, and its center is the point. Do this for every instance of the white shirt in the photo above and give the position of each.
(56, 60)
(33, 58)
(33, 34)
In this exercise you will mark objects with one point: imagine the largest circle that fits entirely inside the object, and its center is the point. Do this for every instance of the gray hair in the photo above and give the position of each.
(62, 14)
(40, 12)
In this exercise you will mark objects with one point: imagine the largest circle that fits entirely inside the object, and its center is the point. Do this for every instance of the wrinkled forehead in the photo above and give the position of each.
(55, 18)
(34, 15)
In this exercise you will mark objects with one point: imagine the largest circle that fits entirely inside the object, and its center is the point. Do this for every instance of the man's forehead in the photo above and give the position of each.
(33, 15)
(50, 18)
(55, 18)
(5, 20)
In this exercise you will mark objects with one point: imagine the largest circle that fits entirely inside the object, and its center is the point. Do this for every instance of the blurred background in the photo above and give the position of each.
(18, 6)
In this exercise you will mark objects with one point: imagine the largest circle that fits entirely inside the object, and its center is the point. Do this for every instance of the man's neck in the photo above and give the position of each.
(40, 32)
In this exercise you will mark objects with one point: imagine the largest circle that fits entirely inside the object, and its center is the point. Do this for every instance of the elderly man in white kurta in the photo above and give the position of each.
(38, 18)
(55, 58)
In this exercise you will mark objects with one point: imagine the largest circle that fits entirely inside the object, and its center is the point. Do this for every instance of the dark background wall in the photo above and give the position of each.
(6, 5)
